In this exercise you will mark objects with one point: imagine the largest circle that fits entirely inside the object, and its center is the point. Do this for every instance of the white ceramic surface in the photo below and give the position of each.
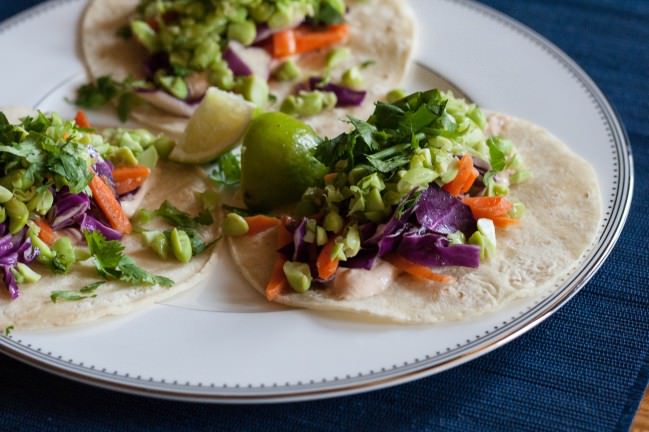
(221, 341)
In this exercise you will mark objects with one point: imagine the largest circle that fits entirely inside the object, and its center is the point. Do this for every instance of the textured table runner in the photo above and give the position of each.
(585, 368)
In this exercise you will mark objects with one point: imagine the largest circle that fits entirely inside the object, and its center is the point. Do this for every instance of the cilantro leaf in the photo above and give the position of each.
(366, 132)
(98, 94)
(68, 295)
(131, 273)
(106, 90)
(91, 287)
(180, 219)
(111, 263)
(226, 170)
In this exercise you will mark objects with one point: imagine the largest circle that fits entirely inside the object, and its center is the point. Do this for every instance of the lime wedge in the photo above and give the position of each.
(218, 123)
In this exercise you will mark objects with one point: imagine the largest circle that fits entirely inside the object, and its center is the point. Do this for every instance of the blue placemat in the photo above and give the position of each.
(583, 369)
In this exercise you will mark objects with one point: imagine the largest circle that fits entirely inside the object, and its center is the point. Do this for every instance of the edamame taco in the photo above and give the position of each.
(317, 59)
(429, 211)
(94, 225)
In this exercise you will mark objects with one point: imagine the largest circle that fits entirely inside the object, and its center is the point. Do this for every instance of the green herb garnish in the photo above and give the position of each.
(111, 263)
(226, 170)
(106, 90)
(87, 291)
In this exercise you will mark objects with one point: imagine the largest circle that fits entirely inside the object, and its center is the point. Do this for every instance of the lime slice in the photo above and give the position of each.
(218, 123)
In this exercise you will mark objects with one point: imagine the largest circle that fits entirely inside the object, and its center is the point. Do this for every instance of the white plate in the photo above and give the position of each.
(221, 341)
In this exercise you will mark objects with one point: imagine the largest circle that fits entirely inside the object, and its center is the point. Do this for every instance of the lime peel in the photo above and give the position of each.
(217, 125)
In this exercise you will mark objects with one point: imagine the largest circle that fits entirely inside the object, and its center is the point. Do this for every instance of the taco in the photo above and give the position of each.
(68, 251)
(321, 59)
(431, 212)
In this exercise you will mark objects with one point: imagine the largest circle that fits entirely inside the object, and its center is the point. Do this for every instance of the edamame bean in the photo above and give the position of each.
(333, 222)
(64, 254)
(5, 194)
(160, 245)
(255, 90)
(308, 103)
(164, 146)
(287, 71)
(517, 211)
(298, 276)
(282, 17)
(41, 202)
(221, 75)
(81, 254)
(234, 225)
(352, 242)
(395, 95)
(353, 78)
(149, 157)
(145, 35)
(321, 236)
(18, 215)
(373, 201)
(244, 32)
(181, 245)
(210, 199)
(175, 86)
(336, 56)
(122, 156)
(262, 12)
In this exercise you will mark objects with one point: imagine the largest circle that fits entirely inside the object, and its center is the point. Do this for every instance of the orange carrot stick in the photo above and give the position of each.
(488, 206)
(325, 264)
(284, 44)
(81, 119)
(277, 282)
(46, 232)
(309, 40)
(504, 221)
(260, 223)
(128, 185)
(284, 236)
(130, 172)
(417, 270)
(110, 207)
(463, 178)
(473, 175)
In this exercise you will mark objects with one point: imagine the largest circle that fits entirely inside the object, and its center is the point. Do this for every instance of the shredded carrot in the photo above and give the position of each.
(284, 43)
(110, 207)
(504, 221)
(284, 236)
(329, 178)
(81, 119)
(310, 40)
(301, 40)
(130, 172)
(473, 175)
(46, 232)
(261, 223)
(128, 185)
(488, 206)
(277, 282)
(464, 179)
(325, 264)
(417, 270)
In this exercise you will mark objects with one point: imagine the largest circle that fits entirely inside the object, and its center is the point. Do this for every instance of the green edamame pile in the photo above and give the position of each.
(194, 34)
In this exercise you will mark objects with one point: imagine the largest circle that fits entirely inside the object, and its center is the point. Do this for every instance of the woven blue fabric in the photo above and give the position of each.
(583, 369)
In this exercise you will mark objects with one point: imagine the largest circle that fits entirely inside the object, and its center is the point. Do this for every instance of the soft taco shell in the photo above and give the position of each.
(560, 223)
(380, 30)
(35, 309)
